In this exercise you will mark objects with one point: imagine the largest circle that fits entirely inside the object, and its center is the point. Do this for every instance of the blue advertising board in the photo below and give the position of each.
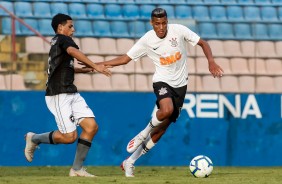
(232, 129)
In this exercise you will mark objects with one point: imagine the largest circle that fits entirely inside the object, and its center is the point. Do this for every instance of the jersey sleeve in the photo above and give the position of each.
(189, 35)
(139, 49)
(67, 41)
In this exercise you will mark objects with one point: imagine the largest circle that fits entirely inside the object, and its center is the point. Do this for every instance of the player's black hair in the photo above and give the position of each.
(59, 19)
(158, 13)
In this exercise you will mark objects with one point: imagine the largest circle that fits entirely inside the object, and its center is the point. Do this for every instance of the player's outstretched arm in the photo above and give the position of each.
(214, 68)
(88, 63)
(83, 70)
(120, 60)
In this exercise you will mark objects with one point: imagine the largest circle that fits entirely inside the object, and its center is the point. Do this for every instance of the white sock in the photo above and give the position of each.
(142, 149)
(152, 124)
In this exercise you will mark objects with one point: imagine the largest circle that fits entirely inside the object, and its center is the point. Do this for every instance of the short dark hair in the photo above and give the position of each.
(59, 19)
(158, 13)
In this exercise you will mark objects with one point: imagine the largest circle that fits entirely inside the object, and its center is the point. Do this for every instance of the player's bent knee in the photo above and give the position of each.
(70, 138)
(93, 125)
(94, 129)
(167, 112)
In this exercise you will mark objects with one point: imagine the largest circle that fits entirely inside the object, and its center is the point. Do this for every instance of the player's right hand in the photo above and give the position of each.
(103, 69)
(215, 70)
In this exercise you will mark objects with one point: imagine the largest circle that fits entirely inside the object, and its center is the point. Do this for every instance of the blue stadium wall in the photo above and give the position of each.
(232, 129)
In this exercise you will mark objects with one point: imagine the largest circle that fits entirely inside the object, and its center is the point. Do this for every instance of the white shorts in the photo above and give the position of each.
(69, 110)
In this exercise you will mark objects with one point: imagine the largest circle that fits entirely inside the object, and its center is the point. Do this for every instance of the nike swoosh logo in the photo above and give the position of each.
(155, 48)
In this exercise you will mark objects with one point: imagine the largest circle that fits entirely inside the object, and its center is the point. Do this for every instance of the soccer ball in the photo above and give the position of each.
(201, 166)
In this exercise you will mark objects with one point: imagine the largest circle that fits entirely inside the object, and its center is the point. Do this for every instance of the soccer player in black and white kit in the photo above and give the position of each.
(65, 103)
(165, 46)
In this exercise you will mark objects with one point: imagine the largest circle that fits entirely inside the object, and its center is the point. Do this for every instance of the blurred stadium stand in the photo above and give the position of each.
(245, 36)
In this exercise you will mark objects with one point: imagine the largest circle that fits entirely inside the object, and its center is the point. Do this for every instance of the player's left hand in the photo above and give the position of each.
(215, 70)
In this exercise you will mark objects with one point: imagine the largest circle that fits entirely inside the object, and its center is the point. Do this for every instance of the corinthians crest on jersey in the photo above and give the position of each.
(173, 42)
(163, 91)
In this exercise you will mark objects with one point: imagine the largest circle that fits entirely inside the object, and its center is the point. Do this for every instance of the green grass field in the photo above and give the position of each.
(167, 175)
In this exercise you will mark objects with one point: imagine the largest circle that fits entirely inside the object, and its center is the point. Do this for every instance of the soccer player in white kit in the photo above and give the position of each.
(165, 46)
(63, 100)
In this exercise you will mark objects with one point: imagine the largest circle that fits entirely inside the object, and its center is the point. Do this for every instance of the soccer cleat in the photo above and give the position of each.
(128, 168)
(29, 147)
(135, 143)
(80, 173)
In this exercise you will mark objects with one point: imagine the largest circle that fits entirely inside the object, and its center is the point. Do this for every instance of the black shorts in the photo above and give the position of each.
(163, 90)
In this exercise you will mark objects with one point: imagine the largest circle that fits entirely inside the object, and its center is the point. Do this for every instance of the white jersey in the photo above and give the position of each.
(168, 54)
